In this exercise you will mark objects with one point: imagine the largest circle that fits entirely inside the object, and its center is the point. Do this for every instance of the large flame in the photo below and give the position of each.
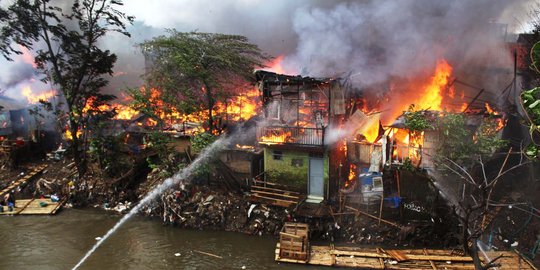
(276, 66)
(426, 95)
(36, 98)
(276, 137)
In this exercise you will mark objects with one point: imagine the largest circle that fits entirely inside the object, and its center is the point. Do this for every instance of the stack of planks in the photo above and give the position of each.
(274, 194)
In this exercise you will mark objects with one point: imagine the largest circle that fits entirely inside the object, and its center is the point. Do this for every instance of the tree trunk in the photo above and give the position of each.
(474, 254)
(465, 235)
(78, 156)
(210, 104)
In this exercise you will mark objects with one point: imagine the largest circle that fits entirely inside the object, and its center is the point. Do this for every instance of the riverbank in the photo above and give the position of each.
(207, 206)
(200, 205)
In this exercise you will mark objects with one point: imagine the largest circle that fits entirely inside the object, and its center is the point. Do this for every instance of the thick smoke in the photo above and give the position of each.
(373, 40)
(377, 40)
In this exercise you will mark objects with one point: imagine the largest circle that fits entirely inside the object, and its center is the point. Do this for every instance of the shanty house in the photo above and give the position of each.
(297, 111)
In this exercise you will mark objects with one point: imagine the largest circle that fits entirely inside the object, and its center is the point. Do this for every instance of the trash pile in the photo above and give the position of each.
(203, 208)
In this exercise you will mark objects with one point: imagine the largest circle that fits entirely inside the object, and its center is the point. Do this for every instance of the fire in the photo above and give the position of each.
(33, 98)
(424, 94)
(489, 110)
(124, 112)
(240, 107)
(432, 96)
(247, 147)
(276, 66)
(69, 136)
(352, 175)
(276, 138)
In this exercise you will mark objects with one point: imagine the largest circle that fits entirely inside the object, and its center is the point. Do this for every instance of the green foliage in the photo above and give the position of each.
(71, 57)
(416, 121)
(201, 141)
(105, 151)
(532, 151)
(535, 57)
(194, 69)
(464, 144)
(166, 158)
(408, 165)
(531, 103)
(141, 101)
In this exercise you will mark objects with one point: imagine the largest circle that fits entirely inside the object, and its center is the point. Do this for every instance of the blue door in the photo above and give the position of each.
(316, 178)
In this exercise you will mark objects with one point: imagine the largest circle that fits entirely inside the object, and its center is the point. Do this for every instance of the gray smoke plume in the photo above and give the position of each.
(377, 40)
(374, 40)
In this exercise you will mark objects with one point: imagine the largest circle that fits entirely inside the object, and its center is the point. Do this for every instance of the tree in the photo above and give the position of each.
(474, 210)
(463, 151)
(464, 143)
(71, 58)
(196, 68)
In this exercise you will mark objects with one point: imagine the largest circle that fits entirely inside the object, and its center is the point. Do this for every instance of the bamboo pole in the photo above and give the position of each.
(374, 217)
(380, 210)
(208, 254)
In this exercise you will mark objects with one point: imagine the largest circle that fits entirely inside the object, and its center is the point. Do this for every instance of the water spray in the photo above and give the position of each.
(175, 179)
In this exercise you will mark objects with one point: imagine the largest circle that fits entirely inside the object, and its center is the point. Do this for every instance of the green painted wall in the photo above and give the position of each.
(292, 169)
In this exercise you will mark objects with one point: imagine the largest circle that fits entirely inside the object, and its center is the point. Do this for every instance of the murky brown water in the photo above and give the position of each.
(58, 242)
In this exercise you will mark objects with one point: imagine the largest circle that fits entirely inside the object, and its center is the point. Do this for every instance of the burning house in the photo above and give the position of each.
(324, 140)
(297, 111)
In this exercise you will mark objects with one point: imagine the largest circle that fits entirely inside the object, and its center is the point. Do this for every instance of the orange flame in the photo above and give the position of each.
(352, 175)
(35, 98)
(276, 66)
(490, 110)
(69, 136)
(275, 138)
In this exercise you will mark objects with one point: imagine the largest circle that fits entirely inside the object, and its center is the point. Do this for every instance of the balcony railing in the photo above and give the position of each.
(291, 135)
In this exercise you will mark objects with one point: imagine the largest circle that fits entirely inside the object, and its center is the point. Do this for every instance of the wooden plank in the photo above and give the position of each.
(439, 258)
(274, 194)
(381, 262)
(430, 261)
(526, 260)
(24, 179)
(299, 237)
(259, 183)
(274, 189)
(397, 255)
(273, 199)
(339, 252)
(34, 208)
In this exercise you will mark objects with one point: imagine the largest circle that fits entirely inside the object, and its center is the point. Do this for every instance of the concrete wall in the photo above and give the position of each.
(292, 169)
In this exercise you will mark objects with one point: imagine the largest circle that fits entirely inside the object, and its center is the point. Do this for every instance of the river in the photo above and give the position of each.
(58, 242)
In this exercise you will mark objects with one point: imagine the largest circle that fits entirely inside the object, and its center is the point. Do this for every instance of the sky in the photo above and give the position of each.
(317, 38)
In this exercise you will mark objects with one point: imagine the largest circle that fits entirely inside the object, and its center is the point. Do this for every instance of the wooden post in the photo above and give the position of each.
(380, 210)
(398, 181)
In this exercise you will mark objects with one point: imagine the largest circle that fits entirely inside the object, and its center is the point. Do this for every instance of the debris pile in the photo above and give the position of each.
(202, 207)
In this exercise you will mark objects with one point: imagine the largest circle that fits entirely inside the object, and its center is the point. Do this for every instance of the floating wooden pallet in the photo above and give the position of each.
(274, 194)
(34, 207)
(377, 258)
(294, 242)
(37, 170)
